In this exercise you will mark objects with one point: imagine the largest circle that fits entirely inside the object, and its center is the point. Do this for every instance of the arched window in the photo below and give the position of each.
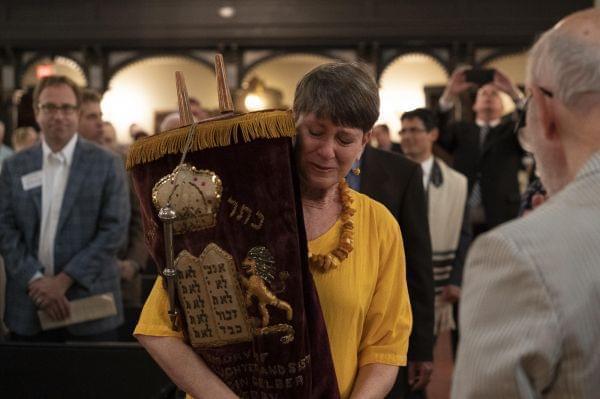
(143, 92)
(279, 75)
(57, 65)
(405, 84)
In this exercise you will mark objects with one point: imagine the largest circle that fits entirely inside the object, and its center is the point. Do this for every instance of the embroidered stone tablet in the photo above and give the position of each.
(210, 293)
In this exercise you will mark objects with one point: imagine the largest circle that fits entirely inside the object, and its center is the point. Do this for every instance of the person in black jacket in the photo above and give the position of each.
(397, 183)
(487, 151)
(381, 134)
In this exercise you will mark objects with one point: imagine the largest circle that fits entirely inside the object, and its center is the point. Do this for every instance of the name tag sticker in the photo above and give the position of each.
(31, 180)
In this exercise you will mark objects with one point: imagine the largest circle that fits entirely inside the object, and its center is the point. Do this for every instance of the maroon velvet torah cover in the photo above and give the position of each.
(243, 283)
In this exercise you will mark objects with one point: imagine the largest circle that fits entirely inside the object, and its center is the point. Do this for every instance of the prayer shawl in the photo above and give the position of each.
(446, 194)
(247, 301)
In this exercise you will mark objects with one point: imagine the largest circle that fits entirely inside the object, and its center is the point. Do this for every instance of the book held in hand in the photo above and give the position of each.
(86, 309)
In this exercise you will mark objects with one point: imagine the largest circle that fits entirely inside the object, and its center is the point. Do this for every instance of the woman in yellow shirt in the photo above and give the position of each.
(356, 253)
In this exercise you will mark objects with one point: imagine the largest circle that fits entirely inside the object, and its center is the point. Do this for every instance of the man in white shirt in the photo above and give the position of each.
(446, 194)
(63, 214)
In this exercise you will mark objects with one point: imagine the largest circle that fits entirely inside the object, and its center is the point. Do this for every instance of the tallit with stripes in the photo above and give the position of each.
(447, 193)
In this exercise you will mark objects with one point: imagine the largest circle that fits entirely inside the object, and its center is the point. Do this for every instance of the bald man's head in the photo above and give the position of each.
(563, 76)
(584, 24)
(566, 59)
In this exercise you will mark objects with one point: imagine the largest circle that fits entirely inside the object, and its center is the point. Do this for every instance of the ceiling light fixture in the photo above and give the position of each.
(226, 12)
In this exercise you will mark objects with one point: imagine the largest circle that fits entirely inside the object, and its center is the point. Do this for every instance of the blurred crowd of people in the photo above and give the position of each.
(467, 183)
(69, 214)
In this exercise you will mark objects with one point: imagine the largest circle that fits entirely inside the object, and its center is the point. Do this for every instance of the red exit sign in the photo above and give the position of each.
(43, 70)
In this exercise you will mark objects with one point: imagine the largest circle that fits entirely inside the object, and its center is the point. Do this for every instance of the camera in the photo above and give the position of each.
(480, 76)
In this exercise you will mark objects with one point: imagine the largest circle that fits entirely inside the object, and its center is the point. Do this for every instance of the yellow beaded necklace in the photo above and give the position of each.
(324, 263)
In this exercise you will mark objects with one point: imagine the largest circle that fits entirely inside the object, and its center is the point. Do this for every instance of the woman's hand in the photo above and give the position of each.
(187, 370)
(374, 381)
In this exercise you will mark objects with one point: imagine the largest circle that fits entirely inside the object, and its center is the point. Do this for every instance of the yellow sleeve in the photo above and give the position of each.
(154, 319)
(388, 320)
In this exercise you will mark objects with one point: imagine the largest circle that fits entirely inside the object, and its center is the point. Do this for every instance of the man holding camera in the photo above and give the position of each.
(486, 150)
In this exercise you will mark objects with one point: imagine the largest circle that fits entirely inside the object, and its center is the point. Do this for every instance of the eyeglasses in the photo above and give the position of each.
(523, 112)
(52, 109)
(411, 130)
(523, 118)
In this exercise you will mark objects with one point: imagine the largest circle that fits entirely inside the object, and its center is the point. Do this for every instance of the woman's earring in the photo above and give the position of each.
(356, 171)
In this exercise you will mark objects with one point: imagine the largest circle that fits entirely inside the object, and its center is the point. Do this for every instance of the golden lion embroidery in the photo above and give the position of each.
(259, 266)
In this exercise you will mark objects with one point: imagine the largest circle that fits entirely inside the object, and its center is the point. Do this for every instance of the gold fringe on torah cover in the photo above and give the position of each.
(213, 133)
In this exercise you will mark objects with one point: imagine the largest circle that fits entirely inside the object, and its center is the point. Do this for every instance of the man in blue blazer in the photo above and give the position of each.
(64, 213)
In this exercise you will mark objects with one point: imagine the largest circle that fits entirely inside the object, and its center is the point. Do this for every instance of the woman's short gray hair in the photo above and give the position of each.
(342, 92)
(571, 64)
